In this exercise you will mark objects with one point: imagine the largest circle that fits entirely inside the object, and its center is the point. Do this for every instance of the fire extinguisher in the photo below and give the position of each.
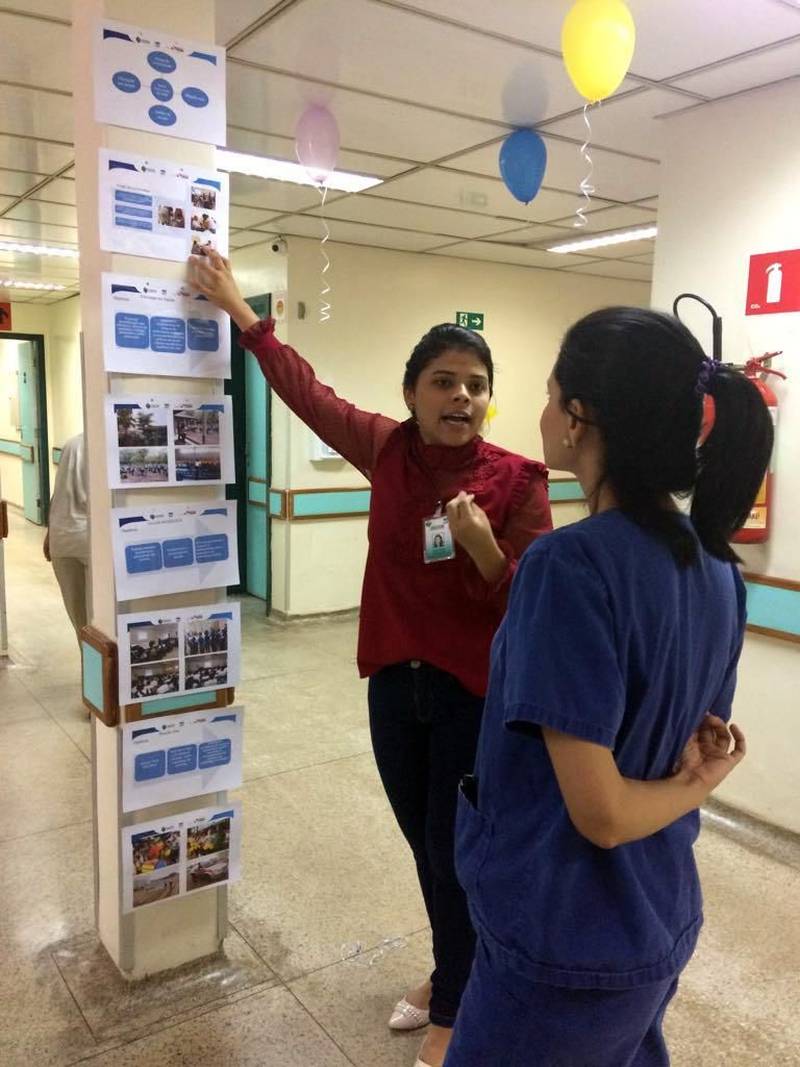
(757, 527)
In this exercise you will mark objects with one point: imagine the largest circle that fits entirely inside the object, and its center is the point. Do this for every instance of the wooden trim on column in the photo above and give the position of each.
(776, 583)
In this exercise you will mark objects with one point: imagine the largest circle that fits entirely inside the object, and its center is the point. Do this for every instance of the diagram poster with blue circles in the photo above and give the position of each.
(150, 80)
(161, 209)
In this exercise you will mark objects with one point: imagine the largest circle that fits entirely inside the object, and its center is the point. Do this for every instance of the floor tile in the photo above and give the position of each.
(353, 1001)
(267, 1029)
(324, 866)
(16, 700)
(114, 1007)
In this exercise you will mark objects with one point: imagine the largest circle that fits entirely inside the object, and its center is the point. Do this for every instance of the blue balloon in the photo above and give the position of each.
(523, 159)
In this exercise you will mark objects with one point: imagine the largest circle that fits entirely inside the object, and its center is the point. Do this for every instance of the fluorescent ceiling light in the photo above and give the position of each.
(642, 234)
(51, 287)
(282, 170)
(38, 250)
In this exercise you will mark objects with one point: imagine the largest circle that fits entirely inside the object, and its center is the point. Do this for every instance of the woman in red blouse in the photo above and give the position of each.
(450, 515)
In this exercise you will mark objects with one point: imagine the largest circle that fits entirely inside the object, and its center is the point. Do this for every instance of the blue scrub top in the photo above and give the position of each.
(606, 638)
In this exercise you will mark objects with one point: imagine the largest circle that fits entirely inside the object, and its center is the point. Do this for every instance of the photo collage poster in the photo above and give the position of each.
(179, 650)
(169, 441)
(179, 855)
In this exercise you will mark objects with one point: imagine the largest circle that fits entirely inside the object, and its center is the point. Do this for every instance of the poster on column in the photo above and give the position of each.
(150, 80)
(161, 209)
(181, 756)
(169, 440)
(160, 326)
(174, 547)
(180, 650)
(169, 858)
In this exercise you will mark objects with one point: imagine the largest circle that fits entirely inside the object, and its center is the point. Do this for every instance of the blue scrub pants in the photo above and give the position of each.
(506, 1020)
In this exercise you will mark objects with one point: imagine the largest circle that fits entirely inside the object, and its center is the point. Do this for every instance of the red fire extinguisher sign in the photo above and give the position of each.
(773, 284)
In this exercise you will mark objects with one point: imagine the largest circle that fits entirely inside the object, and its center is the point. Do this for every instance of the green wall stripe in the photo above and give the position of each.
(93, 676)
(773, 608)
(564, 491)
(256, 491)
(307, 505)
(188, 700)
(18, 449)
(57, 455)
(275, 503)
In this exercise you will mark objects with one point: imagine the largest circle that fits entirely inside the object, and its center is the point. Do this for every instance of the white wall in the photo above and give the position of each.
(10, 466)
(729, 190)
(382, 303)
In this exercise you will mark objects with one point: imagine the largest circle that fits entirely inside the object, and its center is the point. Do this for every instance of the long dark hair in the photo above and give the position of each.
(438, 340)
(638, 373)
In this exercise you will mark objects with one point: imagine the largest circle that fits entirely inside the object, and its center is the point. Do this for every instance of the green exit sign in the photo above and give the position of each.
(473, 320)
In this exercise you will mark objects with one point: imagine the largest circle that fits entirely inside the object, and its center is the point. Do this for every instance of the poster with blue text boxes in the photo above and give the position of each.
(173, 440)
(157, 208)
(149, 80)
(172, 651)
(180, 756)
(160, 326)
(174, 548)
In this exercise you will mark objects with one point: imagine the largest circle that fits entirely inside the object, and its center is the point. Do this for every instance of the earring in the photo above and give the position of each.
(567, 443)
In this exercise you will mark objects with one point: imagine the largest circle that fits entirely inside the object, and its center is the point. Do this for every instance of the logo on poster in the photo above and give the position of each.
(773, 284)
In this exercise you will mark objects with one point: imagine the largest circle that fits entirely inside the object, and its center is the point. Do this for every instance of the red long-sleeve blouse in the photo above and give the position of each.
(443, 613)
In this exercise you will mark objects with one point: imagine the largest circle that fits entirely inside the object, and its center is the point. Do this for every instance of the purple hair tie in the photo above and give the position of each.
(705, 376)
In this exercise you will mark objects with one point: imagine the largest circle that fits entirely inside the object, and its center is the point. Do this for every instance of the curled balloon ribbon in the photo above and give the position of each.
(586, 186)
(324, 303)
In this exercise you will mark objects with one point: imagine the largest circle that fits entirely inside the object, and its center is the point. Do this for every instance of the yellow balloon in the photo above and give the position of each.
(597, 40)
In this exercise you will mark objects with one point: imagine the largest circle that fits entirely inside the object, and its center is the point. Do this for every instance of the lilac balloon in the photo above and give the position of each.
(317, 142)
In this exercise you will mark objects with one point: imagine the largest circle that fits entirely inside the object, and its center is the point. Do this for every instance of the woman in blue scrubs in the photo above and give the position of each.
(611, 683)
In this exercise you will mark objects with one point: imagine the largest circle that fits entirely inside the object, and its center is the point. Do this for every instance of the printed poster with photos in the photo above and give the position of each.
(174, 547)
(181, 755)
(173, 857)
(169, 440)
(157, 208)
(149, 80)
(161, 326)
(178, 650)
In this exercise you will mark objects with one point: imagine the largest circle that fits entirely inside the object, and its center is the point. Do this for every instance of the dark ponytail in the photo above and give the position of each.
(639, 374)
(731, 462)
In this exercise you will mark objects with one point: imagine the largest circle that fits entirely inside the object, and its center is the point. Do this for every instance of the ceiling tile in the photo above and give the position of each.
(526, 235)
(696, 32)
(608, 218)
(35, 231)
(388, 212)
(614, 251)
(24, 64)
(499, 253)
(274, 103)
(448, 188)
(264, 144)
(614, 268)
(233, 18)
(56, 9)
(356, 233)
(247, 191)
(748, 72)
(58, 191)
(25, 113)
(626, 123)
(24, 153)
(16, 182)
(40, 211)
(405, 56)
(243, 238)
(615, 177)
(242, 217)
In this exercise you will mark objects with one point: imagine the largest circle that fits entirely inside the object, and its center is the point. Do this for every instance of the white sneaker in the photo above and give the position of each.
(406, 1017)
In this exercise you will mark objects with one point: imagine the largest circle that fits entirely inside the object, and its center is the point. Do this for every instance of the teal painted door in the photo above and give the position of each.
(30, 432)
(258, 469)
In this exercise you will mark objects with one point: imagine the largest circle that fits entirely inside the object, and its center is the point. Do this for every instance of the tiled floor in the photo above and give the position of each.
(326, 872)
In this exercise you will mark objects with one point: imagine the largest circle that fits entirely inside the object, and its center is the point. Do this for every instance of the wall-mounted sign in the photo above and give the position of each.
(470, 320)
(773, 284)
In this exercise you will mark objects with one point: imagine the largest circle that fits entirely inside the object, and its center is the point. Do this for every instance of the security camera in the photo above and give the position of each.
(278, 245)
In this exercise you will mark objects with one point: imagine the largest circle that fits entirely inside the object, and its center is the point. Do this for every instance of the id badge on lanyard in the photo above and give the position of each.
(438, 542)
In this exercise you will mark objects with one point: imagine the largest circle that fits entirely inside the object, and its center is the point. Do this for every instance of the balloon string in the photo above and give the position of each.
(586, 186)
(324, 304)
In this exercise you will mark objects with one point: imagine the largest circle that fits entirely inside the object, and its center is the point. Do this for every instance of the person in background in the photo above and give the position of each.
(428, 611)
(612, 677)
(66, 543)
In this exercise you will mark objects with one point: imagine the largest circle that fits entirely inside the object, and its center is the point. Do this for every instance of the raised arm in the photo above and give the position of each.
(356, 435)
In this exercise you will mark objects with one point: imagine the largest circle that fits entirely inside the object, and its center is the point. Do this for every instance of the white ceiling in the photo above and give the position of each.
(424, 91)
